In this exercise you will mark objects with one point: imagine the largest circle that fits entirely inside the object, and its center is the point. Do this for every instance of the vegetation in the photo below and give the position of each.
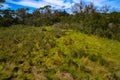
(54, 53)
(52, 44)
(85, 18)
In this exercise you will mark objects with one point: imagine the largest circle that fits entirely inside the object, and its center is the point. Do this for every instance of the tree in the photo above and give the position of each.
(22, 13)
(45, 9)
(105, 9)
(1, 1)
(90, 9)
(8, 13)
(7, 18)
(78, 8)
(36, 13)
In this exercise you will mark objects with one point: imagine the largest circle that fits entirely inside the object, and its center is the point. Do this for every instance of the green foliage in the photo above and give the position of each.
(85, 18)
(57, 53)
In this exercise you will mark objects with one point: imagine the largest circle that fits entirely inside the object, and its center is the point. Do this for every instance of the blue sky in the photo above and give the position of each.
(57, 4)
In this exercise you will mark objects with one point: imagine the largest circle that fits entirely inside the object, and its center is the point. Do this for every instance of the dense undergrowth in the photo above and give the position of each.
(54, 53)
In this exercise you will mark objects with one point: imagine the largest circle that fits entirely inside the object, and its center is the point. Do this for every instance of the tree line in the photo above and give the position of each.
(85, 18)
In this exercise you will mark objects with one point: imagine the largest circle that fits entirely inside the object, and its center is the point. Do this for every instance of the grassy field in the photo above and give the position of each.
(53, 53)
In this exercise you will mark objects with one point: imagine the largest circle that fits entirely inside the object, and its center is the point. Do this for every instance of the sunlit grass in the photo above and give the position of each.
(55, 53)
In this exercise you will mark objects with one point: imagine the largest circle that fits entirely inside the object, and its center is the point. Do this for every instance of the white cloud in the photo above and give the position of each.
(76, 1)
(62, 4)
(96, 2)
(5, 6)
(29, 3)
(36, 4)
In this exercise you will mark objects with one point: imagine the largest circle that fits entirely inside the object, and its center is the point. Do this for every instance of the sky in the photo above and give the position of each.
(58, 4)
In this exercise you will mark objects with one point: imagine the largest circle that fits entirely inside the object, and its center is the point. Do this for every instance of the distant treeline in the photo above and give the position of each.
(85, 18)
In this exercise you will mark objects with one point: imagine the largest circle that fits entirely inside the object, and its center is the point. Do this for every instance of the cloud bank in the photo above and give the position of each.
(41, 3)
(63, 4)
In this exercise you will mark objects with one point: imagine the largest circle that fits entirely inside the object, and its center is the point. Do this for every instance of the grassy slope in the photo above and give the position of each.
(53, 53)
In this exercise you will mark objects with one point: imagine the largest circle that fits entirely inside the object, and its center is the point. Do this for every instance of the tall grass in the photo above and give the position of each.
(55, 53)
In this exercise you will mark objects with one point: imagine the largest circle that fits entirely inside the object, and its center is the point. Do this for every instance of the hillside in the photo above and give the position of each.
(53, 53)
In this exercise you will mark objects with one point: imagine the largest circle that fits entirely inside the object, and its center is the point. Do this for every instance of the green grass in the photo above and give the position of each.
(53, 53)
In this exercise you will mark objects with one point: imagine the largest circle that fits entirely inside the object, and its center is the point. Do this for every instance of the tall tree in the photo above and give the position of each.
(7, 18)
(22, 13)
(45, 10)
(1, 1)
(90, 9)
(78, 8)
